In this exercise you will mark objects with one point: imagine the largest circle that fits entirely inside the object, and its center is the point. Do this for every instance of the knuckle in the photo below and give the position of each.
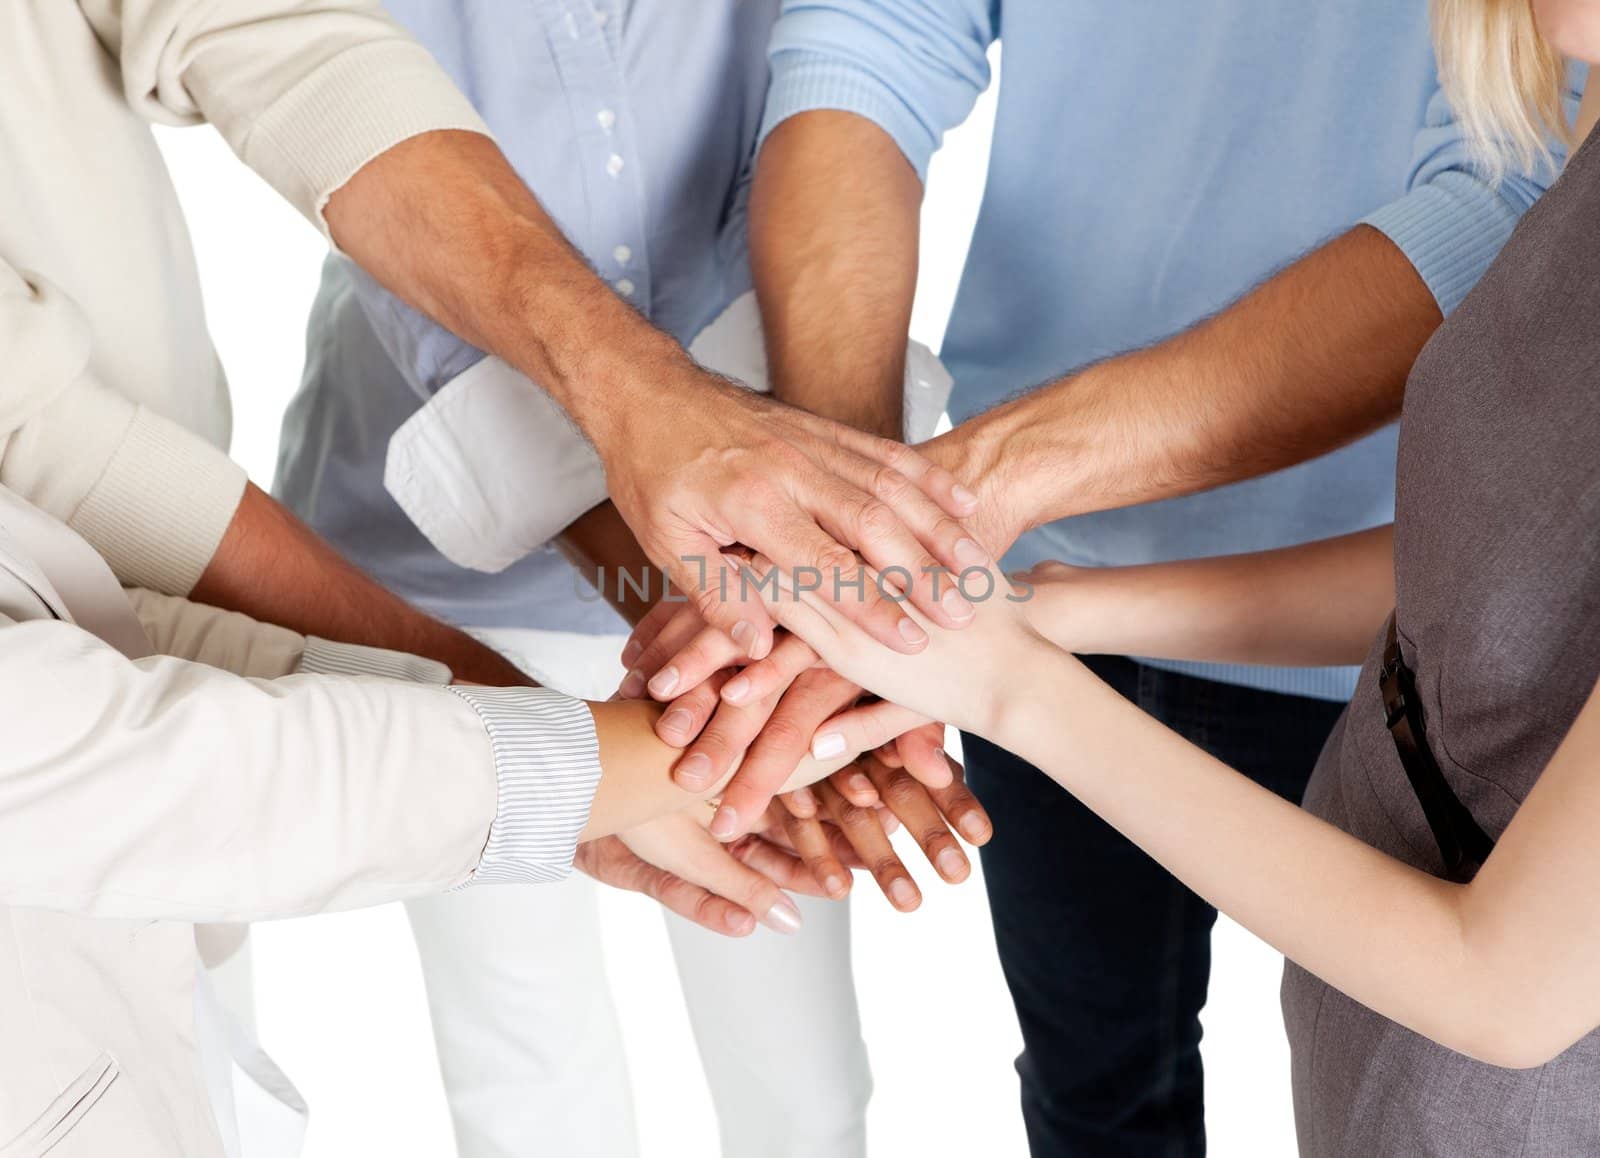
(852, 816)
(876, 520)
(835, 559)
(705, 910)
(887, 866)
(935, 838)
(946, 532)
(890, 485)
(706, 601)
(902, 792)
(784, 734)
(870, 732)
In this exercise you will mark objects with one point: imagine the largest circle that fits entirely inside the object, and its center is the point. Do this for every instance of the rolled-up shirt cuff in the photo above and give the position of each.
(547, 767)
(325, 657)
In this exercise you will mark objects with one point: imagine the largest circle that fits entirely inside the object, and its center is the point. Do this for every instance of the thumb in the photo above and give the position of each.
(863, 729)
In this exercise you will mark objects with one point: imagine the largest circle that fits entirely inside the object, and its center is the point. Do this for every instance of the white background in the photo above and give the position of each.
(340, 998)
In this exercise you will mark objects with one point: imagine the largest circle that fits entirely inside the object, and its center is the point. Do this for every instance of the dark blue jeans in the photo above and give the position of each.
(1106, 954)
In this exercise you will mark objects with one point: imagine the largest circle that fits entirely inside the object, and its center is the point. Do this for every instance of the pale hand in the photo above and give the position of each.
(724, 888)
(961, 677)
(769, 724)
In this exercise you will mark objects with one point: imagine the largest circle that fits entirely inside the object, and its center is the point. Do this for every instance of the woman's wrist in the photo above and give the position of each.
(1018, 712)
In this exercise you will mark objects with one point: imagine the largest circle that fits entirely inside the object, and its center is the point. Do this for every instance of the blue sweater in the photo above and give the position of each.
(1151, 162)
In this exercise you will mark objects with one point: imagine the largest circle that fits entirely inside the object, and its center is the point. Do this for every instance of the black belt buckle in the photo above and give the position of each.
(1463, 845)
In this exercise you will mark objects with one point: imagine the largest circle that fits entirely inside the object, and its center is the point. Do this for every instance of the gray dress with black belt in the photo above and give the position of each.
(1497, 569)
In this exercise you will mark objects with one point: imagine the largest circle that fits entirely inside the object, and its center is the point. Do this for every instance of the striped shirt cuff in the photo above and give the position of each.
(547, 765)
(325, 657)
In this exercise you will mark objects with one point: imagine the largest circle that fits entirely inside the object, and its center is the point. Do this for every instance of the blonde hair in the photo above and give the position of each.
(1504, 80)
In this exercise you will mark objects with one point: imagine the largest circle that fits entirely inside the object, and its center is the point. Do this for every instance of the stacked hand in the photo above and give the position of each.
(962, 677)
(840, 823)
(724, 888)
(728, 467)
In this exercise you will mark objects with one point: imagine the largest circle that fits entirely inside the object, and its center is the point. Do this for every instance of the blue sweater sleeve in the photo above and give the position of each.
(912, 67)
(1452, 220)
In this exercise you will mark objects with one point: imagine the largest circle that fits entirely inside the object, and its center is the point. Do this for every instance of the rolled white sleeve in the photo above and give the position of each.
(491, 468)
(547, 766)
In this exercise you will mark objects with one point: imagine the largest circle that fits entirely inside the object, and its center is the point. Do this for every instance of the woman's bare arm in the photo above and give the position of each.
(1501, 969)
(1313, 605)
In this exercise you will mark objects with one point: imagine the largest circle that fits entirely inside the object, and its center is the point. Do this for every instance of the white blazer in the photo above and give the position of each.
(141, 792)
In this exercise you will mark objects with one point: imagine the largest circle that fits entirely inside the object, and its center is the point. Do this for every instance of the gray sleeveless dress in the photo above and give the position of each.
(1497, 567)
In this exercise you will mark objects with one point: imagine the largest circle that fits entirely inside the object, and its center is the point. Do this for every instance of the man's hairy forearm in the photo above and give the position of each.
(444, 222)
(833, 239)
(273, 568)
(1311, 360)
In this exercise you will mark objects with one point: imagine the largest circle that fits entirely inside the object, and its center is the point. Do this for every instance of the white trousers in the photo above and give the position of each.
(528, 1039)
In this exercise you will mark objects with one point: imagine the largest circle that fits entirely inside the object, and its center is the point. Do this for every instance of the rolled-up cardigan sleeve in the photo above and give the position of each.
(306, 92)
(153, 498)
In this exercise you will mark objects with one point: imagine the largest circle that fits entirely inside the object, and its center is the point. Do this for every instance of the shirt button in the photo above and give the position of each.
(613, 165)
(622, 254)
(607, 119)
(601, 16)
(625, 287)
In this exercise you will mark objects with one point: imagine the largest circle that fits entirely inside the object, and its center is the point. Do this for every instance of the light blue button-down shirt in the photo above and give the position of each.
(634, 122)
(1151, 162)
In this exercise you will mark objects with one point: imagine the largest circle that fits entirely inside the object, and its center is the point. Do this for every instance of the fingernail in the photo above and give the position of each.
(738, 921)
(902, 893)
(736, 689)
(955, 606)
(835, 885)
(694, 773)
(963, 496)
(744, 634)
(664, 682)
(828, 745)
(950, 863)
(635, 649)
(725, 823)
(969, 554)
(632, 685)
(861, 785)
(676, 722)
(911, 633)
(783, 917)
(973, 827)
(803, 799)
